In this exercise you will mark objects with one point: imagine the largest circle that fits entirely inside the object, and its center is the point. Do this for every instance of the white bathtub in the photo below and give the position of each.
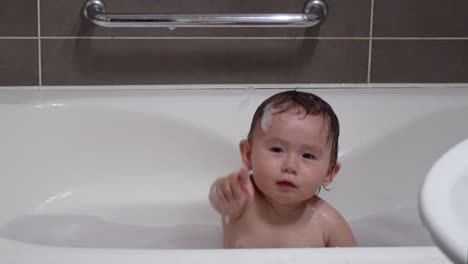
(123, 176)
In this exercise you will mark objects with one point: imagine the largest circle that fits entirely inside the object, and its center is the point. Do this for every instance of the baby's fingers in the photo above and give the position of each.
(249, 190)
(227, 190)
(238, 181)
(244, 175)
(216, 197)
(246, 184)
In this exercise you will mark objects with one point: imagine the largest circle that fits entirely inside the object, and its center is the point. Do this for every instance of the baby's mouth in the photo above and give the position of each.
(286, 184)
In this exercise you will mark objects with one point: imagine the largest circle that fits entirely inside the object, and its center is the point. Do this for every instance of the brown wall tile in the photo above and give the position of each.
(197, 61)
(202, 61)
(18, 62)
(18, 18)
(346, 18)
(420, 61)
(421, 18)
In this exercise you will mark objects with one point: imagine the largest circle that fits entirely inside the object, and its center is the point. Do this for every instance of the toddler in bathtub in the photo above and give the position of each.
(289, 155)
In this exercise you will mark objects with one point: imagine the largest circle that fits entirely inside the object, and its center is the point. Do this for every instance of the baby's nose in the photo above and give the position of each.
(289, 165)
(289, 170)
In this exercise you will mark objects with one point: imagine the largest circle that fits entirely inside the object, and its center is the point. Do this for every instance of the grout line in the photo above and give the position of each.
(214, 38)
(39, 48)
(171, 87)
(371, 28)
(421, 38)
(18, 37)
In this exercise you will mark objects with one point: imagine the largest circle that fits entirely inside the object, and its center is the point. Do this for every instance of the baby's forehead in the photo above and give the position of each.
(276, 114)
(274, 118)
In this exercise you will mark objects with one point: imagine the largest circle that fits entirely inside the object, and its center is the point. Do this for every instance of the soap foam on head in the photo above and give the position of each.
(266, 118)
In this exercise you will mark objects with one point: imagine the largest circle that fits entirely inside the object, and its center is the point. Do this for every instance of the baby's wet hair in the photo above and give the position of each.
(310, 103)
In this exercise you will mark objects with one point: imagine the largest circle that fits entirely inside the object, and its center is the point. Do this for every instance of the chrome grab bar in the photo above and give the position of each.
(96, 12)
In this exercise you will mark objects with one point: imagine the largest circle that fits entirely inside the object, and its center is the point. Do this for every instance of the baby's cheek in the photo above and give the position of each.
(262, 162)
(312, 184)
(257, 158)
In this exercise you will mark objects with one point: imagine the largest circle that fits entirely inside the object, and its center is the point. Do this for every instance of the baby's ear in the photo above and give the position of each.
(332, 172)
(246, 153)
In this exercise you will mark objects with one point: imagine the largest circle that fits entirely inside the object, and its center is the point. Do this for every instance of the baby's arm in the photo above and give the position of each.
(229, 195)
(339, 233)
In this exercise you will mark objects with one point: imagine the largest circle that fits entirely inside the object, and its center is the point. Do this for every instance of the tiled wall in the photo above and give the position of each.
(46, 42)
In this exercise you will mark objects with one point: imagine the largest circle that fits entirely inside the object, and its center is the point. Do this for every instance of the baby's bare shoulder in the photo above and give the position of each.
(323, 208)
(327, 213)
(336, 229)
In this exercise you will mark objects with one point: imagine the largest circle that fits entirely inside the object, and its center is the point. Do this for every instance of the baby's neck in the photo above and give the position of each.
(278, 213)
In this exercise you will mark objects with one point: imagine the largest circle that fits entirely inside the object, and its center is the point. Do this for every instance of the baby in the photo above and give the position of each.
(289, 155)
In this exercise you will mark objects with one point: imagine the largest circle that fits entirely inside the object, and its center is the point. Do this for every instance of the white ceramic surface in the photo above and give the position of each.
(103, 176)
(444, 202)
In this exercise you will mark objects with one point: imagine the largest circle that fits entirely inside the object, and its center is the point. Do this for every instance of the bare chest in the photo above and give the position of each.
(252, 232)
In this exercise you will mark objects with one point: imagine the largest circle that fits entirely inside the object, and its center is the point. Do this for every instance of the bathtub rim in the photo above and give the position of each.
(20, 252)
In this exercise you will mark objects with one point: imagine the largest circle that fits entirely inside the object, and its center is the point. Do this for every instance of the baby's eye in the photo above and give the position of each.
(276, 149)
(308, 156)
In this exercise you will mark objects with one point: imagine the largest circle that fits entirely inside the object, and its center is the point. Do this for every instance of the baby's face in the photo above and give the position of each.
(290, 158)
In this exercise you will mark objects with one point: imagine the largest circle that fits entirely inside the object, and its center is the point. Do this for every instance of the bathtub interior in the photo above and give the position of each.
(133, 169)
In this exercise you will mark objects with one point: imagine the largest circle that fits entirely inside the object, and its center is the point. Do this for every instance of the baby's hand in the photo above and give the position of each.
(229, 195)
